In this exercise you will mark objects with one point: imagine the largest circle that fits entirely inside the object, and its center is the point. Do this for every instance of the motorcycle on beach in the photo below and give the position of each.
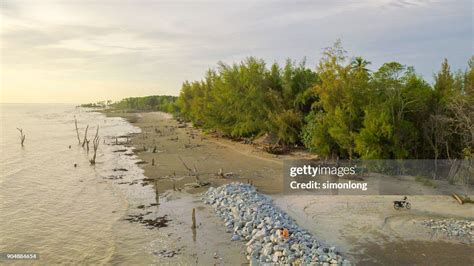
(400, 204)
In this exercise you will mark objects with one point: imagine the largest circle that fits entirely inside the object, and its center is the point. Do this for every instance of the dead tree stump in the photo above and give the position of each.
(193, 217)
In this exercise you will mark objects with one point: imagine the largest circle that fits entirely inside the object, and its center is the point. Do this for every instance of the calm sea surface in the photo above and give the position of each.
(69, 214)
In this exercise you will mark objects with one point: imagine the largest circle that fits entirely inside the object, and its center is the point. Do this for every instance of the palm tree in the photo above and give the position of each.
(360, 64)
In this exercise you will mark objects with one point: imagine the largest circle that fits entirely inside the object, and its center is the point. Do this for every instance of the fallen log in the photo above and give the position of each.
(455, 196)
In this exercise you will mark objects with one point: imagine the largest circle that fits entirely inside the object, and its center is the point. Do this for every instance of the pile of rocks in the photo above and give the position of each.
(271, 235)
(452, 227)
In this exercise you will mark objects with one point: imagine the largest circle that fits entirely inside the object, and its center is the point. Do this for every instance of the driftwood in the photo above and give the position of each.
(22, 136)
(221, 174)
(462, 198)
(193, 172)
(95, 144)
(276, 149)
(455, 196)
(186, 166)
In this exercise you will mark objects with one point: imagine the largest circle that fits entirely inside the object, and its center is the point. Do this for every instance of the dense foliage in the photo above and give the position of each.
(162, 103)
(247, 99)
(340, 109)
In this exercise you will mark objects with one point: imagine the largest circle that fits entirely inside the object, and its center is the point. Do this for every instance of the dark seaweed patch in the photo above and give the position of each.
(158, 222)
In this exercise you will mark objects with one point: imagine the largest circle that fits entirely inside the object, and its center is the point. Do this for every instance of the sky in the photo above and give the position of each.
(85, 51)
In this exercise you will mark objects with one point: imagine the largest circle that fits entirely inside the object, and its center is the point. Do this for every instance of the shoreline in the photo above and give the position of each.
(361, 231)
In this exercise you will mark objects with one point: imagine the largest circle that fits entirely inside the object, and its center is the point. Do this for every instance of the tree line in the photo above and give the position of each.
(164, 103)
(341, 109)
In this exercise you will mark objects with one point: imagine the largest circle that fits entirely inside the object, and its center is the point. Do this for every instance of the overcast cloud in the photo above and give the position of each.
(80, 51)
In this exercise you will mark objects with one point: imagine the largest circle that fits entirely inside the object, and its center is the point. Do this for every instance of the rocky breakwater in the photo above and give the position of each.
(271, 236)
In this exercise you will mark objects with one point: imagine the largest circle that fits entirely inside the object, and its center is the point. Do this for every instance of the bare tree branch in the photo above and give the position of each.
(77, 131)
(95, 143)
(22, 136)
(85, 137)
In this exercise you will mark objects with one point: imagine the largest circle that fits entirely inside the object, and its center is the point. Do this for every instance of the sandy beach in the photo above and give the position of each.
(366, 229)
(330, 133)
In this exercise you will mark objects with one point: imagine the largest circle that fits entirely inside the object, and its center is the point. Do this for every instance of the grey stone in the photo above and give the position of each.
(251, 216)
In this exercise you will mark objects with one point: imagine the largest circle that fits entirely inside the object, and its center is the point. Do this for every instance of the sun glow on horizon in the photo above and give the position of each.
(58, 51)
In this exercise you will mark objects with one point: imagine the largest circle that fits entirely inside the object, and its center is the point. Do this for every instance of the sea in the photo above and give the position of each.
(55, 204)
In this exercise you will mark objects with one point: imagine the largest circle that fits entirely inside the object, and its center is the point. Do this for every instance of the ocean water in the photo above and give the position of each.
(69, 214)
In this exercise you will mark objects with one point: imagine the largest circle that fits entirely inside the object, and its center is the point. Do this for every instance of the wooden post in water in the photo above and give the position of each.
(153, 162)
(157, 195)
(194, 219)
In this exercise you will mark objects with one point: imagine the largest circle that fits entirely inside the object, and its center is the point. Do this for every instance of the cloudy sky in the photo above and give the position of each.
(82, 51)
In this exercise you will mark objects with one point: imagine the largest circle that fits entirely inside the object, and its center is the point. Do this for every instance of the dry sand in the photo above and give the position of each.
(365, 228)
(369, 231)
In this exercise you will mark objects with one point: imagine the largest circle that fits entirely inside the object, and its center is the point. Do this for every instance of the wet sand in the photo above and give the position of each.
(366, 229)
(176, 150)
(206, 153)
